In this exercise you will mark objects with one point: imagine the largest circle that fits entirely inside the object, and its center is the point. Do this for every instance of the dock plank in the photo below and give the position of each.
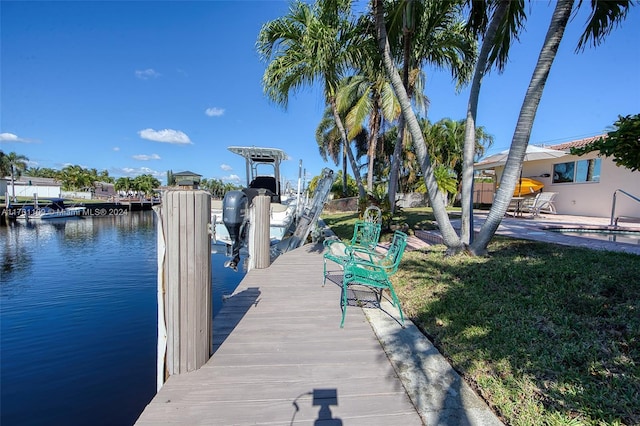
(277, 340)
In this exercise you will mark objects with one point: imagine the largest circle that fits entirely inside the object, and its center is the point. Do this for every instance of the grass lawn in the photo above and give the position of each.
(546, 334)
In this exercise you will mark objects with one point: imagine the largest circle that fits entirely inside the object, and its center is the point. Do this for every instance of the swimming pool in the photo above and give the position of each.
(602, 234)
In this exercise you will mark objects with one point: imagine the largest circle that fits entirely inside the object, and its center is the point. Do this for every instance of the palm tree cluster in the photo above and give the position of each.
(217, 187)
(74, 177)
(141, 184)
(323, 42)
(371, 68)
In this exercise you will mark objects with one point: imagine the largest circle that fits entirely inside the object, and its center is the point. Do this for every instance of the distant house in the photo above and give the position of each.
(187, 179)
(28, 186)
(104, 190)
(585, 184)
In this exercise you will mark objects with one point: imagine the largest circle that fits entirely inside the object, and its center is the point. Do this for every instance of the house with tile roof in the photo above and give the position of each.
(586, 184)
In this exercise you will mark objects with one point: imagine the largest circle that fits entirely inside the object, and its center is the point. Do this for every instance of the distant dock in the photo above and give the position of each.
(93, 209)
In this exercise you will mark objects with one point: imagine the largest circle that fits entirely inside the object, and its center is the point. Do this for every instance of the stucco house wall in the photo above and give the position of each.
(587, 198)
(27, 186)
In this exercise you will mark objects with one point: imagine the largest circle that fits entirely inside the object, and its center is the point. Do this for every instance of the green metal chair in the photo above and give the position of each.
(374, 271)
(365, 237)
(372, 214)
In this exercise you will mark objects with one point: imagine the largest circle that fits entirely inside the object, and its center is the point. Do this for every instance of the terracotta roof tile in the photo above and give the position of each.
(574, 144)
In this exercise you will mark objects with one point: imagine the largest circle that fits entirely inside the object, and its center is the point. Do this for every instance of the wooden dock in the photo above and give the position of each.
(280, 358)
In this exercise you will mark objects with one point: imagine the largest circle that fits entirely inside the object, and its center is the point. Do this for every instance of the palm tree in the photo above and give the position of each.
(145, 183)
(76, 177)
(605, 16)
(309, 44)
(123, 184)
(506, 21)
(368, 97)
(331, 147)
(426, 32)
(15, 164)
(436, 197)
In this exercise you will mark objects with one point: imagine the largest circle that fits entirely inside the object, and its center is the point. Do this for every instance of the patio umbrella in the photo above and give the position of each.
(533, 153)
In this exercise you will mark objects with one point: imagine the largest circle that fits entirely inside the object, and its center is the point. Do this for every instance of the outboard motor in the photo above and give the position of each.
(234, 216)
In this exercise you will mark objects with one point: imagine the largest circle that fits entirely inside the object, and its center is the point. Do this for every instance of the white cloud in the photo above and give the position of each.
(214, 112)
(144, 157)
(116, 148)
(131, 172)
(166, 135)
(147, 74)
(226, 167)
(10, 137)
(230, 178)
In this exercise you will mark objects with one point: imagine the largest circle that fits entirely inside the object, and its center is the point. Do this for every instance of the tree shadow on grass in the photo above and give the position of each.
(541, 329)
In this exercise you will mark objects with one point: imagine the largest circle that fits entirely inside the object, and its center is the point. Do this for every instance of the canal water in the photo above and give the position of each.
(78, 319)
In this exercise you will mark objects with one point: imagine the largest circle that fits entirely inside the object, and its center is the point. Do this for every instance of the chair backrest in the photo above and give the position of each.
(391, 261)
(543, 199)
(372, 214)
(366, 234)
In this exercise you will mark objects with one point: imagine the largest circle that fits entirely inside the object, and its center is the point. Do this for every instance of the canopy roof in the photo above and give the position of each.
(256, 154)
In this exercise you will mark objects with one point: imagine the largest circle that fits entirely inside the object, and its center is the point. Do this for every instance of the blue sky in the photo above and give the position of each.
(143, 87)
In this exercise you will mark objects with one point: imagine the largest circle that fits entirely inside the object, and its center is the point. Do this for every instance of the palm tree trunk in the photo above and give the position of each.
(526, 118)
(344, 170)
(13, 184)
(375, 120)
(395, 165)
(466, 230)
(436, 198)
(345, 143)
(397, 149)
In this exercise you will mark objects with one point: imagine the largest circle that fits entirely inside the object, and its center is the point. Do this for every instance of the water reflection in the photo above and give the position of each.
(78, 319)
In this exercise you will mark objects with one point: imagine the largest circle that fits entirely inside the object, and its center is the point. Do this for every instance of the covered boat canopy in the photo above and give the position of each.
(256, 156)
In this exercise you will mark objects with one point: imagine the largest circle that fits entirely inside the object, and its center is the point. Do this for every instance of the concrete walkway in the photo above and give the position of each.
(538, 229)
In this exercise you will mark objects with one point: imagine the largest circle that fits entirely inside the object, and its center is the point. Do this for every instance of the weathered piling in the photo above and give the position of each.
(184, 282)
(259, 238)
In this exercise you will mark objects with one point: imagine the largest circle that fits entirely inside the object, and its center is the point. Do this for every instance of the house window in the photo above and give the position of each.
(577, 171)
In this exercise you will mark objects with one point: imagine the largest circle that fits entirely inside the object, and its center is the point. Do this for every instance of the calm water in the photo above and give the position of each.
(78, 319)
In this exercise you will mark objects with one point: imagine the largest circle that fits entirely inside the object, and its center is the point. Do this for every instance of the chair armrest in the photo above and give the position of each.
(359, 262)
(364, 253)
(328, 241)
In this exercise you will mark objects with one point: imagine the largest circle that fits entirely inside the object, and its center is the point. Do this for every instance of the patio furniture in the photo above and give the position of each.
(518, 205)
(365, 238)
(542, 203)
(374, 271)
(372, 214)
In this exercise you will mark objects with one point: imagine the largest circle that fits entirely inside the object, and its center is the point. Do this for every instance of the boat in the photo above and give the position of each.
(263, 173)
(288, 209)
(55, 209)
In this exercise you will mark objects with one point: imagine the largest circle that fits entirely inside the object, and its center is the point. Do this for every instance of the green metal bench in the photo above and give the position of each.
(365, 237)
(374, 271)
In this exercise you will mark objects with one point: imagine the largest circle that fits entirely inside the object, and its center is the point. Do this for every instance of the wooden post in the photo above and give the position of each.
(259, 235)
(184, 280)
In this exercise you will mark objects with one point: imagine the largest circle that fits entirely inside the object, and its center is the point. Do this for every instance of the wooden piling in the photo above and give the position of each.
(259, 235)
(184, 280)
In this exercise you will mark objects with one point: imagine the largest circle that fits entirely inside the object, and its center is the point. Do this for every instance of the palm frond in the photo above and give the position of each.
(605, 16)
